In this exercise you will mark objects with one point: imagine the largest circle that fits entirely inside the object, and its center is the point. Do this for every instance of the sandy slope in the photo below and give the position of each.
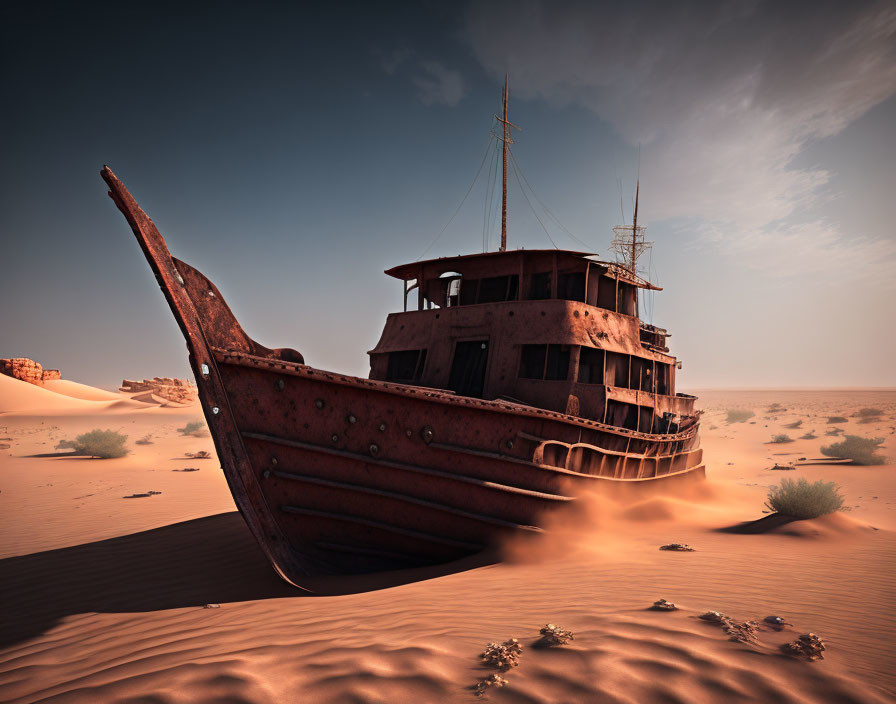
(82, 391)
(102, 596)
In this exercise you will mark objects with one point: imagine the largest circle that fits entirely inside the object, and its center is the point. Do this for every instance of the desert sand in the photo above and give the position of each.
(102, 597)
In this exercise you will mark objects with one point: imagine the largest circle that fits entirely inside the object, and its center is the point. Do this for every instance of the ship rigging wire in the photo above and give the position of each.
(463, 200)
(523, 191)
(546, 209)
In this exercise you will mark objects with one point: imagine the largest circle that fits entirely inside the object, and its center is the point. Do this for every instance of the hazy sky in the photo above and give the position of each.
(293, 153)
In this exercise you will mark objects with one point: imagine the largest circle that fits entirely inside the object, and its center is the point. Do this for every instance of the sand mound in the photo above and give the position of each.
(82, 391)
(21, 397)
(829, 526)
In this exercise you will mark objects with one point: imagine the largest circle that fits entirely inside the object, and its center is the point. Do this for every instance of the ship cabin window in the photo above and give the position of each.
(540, 286)
(493, 289)
(548, 362)
(624, 415)
(406, 365)
(591, 366)
(663, 378)
(451, 282)
(606, 293)
(628, 299)
(571, 286)
(617, 369)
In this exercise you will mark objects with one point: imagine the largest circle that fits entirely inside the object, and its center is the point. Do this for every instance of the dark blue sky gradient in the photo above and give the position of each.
(277, 153)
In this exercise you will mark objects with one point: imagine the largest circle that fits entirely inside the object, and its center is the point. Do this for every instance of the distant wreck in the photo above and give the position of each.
(515, 379)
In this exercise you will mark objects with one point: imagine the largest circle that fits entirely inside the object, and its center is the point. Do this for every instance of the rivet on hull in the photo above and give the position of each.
(319, 403)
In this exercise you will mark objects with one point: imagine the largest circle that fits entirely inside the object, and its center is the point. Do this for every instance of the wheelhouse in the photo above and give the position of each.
(553, 329)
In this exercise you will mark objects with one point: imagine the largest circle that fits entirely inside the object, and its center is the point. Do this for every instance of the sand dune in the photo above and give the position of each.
(57, 397)
(82, 391)
(104, 599)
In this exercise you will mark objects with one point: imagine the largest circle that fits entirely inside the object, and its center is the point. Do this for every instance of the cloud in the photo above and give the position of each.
(391, 61)
(723, 97)
(439, 85)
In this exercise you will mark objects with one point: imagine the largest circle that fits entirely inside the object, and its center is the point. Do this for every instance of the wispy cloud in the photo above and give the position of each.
(723, 97)
(390, 61)
(439, 84)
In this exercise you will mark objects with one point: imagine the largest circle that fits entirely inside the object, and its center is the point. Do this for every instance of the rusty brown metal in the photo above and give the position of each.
(339, 474)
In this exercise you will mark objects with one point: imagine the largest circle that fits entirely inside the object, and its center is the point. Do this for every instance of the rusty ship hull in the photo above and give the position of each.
(339, 474)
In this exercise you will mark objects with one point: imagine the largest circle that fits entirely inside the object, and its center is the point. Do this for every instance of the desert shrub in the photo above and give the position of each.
(793, 426)
(738, 415)
(869, 415)
(808, 436)
(858, 449)
(834, 431)
(836, 419)
(800, 499)
(776, 408)
(780, 439)
(103, 444)
(194, 428)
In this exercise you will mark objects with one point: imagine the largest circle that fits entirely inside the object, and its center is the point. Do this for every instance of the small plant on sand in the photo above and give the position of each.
(858, 449)
(103, 444)
(776, 408)
(836, 419)
(799, 499)
(146, 440)
(793, 426)
(780, 439)
(869, 415)
(739, 415)
(194, 429)
(834, 431)
(808, 436)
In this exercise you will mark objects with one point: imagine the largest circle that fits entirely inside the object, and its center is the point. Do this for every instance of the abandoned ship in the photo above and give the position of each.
(508, 382)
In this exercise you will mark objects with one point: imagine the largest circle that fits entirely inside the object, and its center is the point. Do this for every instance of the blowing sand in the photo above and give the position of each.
(102, 597)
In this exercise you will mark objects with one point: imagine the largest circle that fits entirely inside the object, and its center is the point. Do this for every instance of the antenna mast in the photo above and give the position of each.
(505, 141)
(629, 242)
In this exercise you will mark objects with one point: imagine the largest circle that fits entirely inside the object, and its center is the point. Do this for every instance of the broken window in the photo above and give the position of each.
(532, 361)
(540, 286)
(550, 362)
(406, 365)
(591, 366)
(617, 369)
(571, 287)
(606, 293)
(498, 288)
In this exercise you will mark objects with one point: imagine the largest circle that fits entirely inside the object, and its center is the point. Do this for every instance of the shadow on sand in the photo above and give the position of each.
(190, 564)
(760, 525)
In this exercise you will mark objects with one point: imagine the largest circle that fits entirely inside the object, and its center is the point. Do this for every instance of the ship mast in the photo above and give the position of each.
(505, 141)
(629, 243)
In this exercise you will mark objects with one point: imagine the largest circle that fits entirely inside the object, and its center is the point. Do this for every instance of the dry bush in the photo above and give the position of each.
(869, 415)
(793, 426)
(738, 415)
(102, 444)
(808, 436)
(800, 499)
(858, 449)
(836, 419)
(780, 439)
(194, 429)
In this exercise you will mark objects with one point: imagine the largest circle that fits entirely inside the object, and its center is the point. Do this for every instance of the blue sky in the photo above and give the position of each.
(293, 153)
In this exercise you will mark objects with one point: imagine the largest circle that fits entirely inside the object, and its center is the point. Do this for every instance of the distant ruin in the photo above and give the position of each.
(175, 390)
(28, 370)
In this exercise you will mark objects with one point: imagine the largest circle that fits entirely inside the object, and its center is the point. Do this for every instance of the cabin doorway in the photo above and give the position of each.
(468, 368)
